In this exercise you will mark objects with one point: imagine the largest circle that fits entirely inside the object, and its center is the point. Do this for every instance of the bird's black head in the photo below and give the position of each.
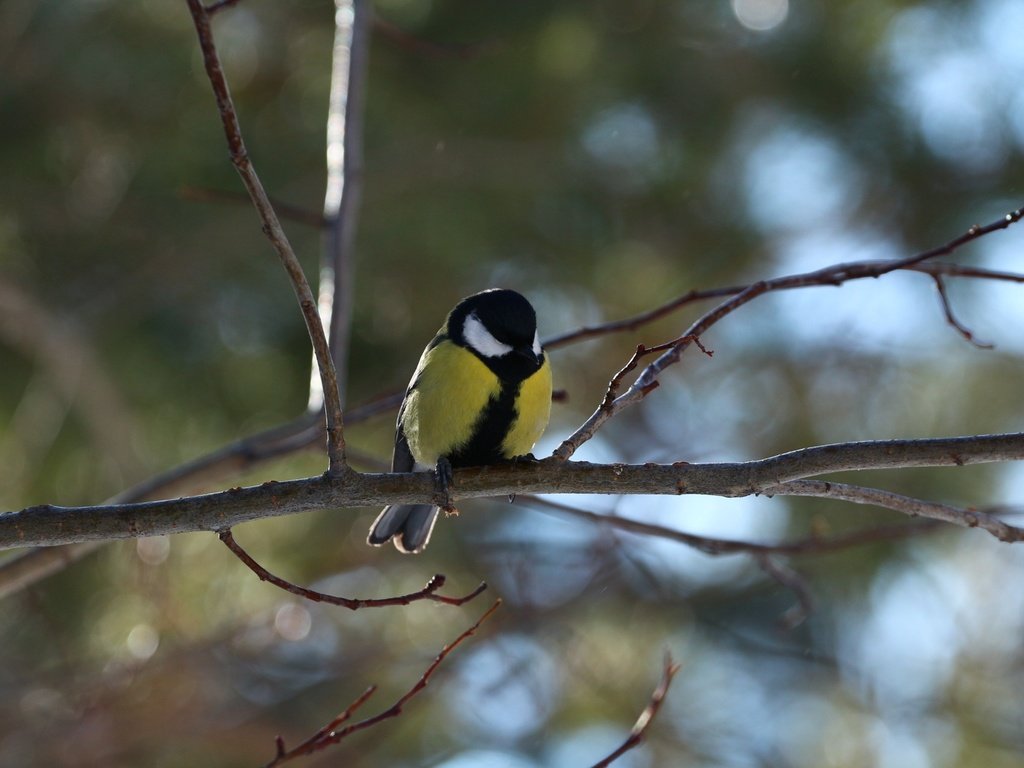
(500, 327)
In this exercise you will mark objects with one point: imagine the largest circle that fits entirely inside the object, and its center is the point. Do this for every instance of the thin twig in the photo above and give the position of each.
(908, 505)
(410, 42)
(641, 352)
(691, 297)
(220, 5)
(639, 729)
(616, 380)
(638, 321)
(833, 275)
(284, 210)
(330, 735)
(792, 580)
(275, 234)
(429, 592)
(343, 717)
(647, 380)
(960, 270)
(816, 544)
(947, 309)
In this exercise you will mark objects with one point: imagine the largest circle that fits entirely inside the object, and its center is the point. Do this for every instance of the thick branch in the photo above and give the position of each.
(16, 573)
(48, 525)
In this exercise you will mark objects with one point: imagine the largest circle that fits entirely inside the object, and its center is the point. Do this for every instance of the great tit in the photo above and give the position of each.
(480, 394)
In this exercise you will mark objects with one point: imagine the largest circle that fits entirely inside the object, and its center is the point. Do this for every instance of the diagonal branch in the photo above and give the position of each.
(692, 297)
(833, 275)
(275, 234)
(789, 578)
(331, 734)
(641, 352)
(429, 592)
(908, 505)
(638, 321)
(960, 270)
(639, 730)
(710, 545)
(947, 309)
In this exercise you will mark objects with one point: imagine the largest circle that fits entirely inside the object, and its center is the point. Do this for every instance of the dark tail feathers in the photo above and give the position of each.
(409, 525)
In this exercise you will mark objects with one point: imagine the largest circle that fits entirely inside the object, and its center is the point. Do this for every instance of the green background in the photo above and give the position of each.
(602, 158)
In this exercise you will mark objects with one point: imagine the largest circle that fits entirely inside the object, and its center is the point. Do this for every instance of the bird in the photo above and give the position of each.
(481, 394)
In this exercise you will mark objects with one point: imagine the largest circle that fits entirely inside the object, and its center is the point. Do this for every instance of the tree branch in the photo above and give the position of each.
(220, 5)
(49, 524)
(793, 581)
(959, 270)
(966, 518)
(429, 48)
(833, 275)
(947, 309)
(286, 211)
(344, 161)
(18, 572)
(275, 234)
(709, 545)
(429, 592)
(302, 433)
(691, 297)
(330, 733)
(639, 730)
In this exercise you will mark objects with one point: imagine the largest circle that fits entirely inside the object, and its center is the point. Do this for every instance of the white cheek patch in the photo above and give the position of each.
(480, 339)
(536, 344)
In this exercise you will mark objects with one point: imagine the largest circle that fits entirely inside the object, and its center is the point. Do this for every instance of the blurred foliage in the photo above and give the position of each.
(602, 158)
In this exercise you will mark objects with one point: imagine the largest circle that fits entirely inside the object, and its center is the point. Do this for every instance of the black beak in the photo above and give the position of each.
(528, 353)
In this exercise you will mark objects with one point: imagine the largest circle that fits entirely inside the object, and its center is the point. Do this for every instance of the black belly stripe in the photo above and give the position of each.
(490, 430)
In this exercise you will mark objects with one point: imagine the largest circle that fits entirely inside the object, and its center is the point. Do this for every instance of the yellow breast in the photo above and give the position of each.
(533, 410)
(452, 389)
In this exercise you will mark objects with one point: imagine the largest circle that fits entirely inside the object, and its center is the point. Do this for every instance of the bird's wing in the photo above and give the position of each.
(401, 459)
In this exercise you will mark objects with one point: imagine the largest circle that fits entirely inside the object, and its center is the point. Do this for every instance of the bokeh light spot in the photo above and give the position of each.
(153, 550)
(142, 641)
(293, 622)
(760, 15)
